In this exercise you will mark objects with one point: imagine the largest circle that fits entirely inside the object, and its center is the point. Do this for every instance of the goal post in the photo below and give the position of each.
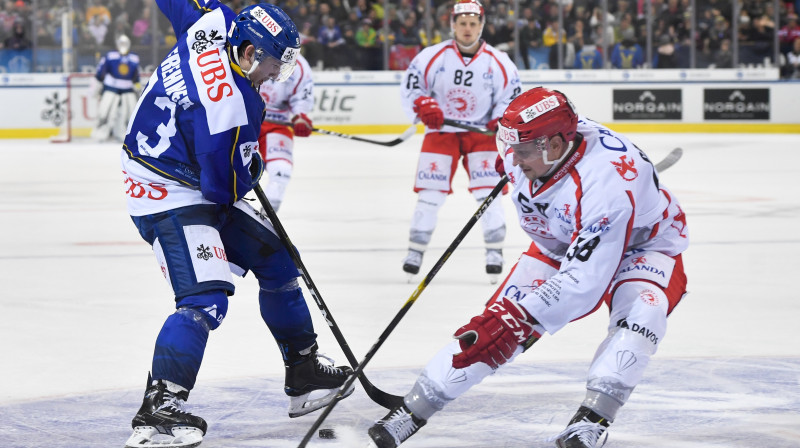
(80, 108)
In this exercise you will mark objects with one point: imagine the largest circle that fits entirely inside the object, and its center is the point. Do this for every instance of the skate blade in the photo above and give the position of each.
(149, 436)
(494, 278)
(317, 399)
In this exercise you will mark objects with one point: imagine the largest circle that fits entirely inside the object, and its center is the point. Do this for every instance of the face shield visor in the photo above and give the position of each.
(530, 151)
(274, 69)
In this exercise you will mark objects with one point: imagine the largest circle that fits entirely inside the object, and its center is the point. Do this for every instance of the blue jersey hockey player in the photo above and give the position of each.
(190, 155)
(117, 84)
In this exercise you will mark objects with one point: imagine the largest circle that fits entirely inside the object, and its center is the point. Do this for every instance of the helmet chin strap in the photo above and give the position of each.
(245, 72)
(555, 163)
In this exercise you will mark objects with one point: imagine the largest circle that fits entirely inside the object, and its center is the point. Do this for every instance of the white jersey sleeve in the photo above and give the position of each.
(606, 201)
(472, 90)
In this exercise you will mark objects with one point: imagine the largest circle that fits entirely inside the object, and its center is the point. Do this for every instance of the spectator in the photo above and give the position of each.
(331, 39)
(789, 33)
(665, 53)
(17, 39)
(589, 56)
(407, 33)
(97, 28)
(530, 37)
(141, 28)
(792, 66)
(724, 56)
(370, 55)
(627, 55)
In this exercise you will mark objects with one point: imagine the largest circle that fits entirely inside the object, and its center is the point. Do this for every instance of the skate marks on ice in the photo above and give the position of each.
(682, 403)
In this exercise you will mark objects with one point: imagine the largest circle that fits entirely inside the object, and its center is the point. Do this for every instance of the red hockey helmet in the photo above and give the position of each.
(472, 7)
(538, 114)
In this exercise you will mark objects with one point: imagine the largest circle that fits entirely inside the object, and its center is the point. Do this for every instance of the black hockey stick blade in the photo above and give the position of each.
(400, 314)
(380, 397)
(460, 125)
(670, 159)
(403, 137)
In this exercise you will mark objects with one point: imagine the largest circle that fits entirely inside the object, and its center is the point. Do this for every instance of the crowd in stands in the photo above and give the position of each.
(339, 35)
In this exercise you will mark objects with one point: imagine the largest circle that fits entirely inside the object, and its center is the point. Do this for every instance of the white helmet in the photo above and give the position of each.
(123, 44)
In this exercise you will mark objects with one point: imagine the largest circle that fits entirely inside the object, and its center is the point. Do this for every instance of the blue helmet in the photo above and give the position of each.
(271, 32)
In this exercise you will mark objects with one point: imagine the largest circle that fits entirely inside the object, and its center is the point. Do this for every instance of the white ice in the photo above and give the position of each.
(83, 301)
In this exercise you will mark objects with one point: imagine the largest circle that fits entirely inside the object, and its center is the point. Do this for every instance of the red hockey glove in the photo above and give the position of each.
(493, 336)
(302, 125)
(428, 111)
(492, 125)
(499, 166)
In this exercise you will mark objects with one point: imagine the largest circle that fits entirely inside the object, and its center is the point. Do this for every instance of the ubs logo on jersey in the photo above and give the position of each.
(204, 252)
(202, 42)
(626, 168)
(247, 149)
(460, 103)
(213, 70)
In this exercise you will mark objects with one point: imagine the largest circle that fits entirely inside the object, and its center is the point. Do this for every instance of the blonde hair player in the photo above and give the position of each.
(466, 80)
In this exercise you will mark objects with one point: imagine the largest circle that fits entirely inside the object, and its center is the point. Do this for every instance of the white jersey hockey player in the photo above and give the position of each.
(287, 102)
(466, 80)
(604, 230)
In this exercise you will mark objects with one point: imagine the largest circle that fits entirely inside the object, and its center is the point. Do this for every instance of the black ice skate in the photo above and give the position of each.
(162, 422)
(311, 384)
(583, 431)
(412, 262)
(395, 428)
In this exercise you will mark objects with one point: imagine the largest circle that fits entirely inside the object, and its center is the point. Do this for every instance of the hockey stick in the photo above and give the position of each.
(456, 124)
(380, 397)
(403, 137)
(670, 159)
(382, 338)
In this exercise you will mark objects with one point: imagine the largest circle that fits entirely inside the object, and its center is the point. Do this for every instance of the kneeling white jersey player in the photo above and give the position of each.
(604, 230)
(288, 102)
(466, 80)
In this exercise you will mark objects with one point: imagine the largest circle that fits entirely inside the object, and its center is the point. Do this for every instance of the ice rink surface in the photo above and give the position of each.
(83, 301)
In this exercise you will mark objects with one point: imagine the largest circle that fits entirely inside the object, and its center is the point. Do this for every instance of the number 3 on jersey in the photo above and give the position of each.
(164, 131)
(582, 251)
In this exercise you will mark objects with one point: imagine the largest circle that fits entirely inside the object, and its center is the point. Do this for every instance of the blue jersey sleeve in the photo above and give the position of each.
(183, 13)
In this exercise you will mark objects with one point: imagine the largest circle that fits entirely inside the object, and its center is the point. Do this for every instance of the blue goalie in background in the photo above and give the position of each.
(189, 157)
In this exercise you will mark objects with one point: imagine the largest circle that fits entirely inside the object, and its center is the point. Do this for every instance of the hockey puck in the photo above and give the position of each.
(327, 433)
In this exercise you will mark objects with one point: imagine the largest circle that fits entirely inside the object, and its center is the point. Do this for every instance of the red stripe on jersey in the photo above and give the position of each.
(534, 252)
(664, 215)
(502, 69)
(299, 80)
(566, 168)
(576, 177)
(439, 53)
(475, 56)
